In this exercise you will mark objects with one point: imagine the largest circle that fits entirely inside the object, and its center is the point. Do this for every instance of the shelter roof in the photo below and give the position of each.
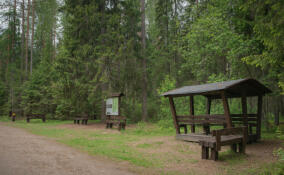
(233, 88)
(120, 94)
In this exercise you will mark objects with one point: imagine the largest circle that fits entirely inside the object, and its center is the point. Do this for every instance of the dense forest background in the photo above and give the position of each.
(64, 57)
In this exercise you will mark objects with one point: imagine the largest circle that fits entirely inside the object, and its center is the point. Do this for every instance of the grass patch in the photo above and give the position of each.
(141, 146)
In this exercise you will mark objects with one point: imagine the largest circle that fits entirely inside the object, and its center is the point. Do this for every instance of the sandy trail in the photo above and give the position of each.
(22, 153)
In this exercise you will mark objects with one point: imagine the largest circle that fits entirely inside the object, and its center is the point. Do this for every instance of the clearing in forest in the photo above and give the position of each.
(148, 149)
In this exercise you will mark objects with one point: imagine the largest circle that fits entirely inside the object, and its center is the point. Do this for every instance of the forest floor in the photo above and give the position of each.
(140, 149)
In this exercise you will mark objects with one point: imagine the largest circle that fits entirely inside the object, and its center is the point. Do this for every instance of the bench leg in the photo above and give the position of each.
(205, 152)
(192, 128)
(185, 129)
(86, 122)
(74, 121)
(107, 125)
(234, 147)
(206, 129)
(28, 120)
(119, 126)
(250, 129)
(214, 154)
(242, 148)
(78, 122)
(110, 125)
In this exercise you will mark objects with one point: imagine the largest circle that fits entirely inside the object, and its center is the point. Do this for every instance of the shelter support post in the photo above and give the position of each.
(226, 110)
(244, 110)
(206, 127)
(259, 114)
(174, 114)
(191, 111)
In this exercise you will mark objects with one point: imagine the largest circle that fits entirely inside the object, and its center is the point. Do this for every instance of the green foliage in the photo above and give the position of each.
(280, 153)
(97, 51)
(37, 94)
(268, 27)
(3, 98)
(212, 46)
(167, 84)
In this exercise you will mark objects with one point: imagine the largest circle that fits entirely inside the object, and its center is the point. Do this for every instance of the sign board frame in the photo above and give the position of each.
(112, 106)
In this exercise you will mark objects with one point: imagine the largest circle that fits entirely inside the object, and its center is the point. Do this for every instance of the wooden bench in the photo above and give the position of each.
(205, 120)
(229, 136)
(117, 120)
(35, 116)
(84, 120)
(219, 120)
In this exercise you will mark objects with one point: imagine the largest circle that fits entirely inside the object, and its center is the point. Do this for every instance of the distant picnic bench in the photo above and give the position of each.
(120, 121)
(231, 134)
(84, 120)
(35, 116)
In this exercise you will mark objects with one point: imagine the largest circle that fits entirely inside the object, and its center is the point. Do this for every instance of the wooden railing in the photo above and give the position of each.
(202, 119)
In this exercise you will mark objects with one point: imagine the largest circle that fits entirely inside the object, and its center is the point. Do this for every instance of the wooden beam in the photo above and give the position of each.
(244, 110)
(119, 102)
(174, 114)
(208, 109)
(226, 109)
(206, 128)
(259, 114)
(191, 112)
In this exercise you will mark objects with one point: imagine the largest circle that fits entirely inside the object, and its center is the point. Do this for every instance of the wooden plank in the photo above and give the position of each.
(229, 131)
(204, 116)
(206, 127)
(259, 114)
(191, 112)
(174, 115)
(193, 137)
(242, 119)
(226, 109)
(200, 122)
(242, 115)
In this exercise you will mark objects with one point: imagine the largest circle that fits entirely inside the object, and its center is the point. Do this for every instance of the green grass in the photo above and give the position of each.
(130, 145)
(114, 146)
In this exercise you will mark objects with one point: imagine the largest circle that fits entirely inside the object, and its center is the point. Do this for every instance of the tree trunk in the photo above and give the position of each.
(104, 86)
(54, 37)
(144, 63)
(27, 39)
(14, 27)
(32, 38)
(23, 38)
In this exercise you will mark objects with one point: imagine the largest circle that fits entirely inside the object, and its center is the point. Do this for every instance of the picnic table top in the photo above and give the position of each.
(195, 137)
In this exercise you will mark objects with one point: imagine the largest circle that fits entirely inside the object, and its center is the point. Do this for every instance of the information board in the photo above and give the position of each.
(112, 106)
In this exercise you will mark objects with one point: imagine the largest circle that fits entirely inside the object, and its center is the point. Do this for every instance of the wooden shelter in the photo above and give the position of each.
(241, 88)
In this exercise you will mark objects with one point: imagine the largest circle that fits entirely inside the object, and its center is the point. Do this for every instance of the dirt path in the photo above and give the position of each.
(22, 153)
